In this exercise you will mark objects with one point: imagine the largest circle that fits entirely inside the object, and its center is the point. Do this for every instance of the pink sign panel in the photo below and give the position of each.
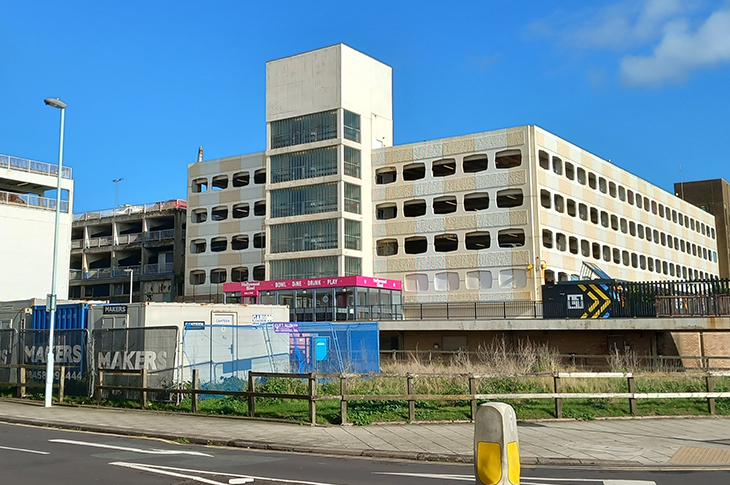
(252, 288)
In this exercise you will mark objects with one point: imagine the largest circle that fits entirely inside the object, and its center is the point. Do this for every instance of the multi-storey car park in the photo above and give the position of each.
(484, 217)
(27, 219)
(141, 244)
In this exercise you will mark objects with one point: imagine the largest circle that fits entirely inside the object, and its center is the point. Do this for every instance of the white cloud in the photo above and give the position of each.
(676, 37)
(625, 24)
(681, 51)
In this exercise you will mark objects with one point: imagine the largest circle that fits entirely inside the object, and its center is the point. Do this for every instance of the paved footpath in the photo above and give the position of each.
(663, 442)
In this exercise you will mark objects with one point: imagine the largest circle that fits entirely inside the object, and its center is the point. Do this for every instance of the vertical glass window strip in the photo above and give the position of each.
(352, 162)
(304, 129)
(303, 165)
(288, 269)
(304, 236)
(352, 234)
(310, 199)
(352, 198)
(352, 126)
(353, 266)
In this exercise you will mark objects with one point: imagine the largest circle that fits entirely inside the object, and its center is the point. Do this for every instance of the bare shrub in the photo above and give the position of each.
(526, 358)
(623, 361)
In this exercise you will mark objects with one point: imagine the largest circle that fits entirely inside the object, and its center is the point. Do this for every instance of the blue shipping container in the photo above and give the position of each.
(70, 316)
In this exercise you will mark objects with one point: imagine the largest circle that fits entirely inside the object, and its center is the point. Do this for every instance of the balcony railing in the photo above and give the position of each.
(132, 209)
(130, 238)
(25, 165)
(160, 235)
(158, 268)
(98, 242)
(101, 273)
(31, 200)
(122, 271)
(77, 243)
(95, 274)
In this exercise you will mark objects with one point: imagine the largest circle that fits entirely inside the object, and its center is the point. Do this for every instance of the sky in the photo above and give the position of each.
(644, 83)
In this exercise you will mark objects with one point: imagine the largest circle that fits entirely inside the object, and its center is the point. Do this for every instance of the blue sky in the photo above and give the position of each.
(643, 83)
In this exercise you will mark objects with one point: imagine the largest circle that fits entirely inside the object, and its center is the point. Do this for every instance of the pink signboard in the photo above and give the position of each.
(252, 288)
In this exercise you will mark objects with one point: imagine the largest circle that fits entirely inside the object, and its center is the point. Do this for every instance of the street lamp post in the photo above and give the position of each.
(131, 281)
(116, 193)
(51, 303)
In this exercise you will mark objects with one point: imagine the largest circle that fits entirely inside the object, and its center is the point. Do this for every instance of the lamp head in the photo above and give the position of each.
(54, 103)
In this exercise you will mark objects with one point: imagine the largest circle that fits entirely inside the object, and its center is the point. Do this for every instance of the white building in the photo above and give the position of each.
(27, 221)
(488, 216)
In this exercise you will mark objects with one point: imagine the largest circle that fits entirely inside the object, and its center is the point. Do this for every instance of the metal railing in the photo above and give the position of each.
(158, 268)
(159, 235)
(587, 362)
(122, 271)
(129, 238)
(101, 241)
(25, 165)
(132, 209)
(31, 200)
(474, 310)
(693, 306)
(98, 273)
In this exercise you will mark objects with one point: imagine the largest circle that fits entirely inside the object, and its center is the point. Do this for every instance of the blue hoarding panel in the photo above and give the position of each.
(70, 316)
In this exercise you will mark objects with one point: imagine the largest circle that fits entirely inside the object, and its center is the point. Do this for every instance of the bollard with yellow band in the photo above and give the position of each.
(496, 448)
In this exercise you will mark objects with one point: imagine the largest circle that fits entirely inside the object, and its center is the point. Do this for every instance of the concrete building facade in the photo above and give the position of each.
(483, 217)
(144, 240)
(712, 196)
(27, 219)
(494, 215)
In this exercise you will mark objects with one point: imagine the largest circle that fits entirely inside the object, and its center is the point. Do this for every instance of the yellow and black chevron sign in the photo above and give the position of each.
(599, 301)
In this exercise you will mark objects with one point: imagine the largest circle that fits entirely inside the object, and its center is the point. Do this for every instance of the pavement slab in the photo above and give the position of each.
(669, 442)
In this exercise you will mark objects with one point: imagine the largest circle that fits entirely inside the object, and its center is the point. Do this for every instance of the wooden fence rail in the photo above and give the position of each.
(344, 397)
(22, 383)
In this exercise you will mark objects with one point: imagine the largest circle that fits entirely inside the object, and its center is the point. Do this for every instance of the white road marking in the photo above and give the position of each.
(441, 476)
(180, 472)
(159, 470)
(134, 450)
(24, 451)
(523, 480)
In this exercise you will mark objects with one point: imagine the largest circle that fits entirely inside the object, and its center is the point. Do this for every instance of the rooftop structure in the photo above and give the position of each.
(27, 218)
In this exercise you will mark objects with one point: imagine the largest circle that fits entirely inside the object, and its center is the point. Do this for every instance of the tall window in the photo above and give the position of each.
(304, 129)
(352, 126)
(310, 199)
(352, 198)
(304, 236)
(353, 266)
(303, 165)
(352, 234)
(352, 162)
(303, 268)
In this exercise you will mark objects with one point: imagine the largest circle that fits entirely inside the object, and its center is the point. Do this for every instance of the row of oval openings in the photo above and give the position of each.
(220, 182)
(506, 238)
(219, 275)
(219, 244)
(238, 211)
(604, 186)
(447, 167)
(447, 204)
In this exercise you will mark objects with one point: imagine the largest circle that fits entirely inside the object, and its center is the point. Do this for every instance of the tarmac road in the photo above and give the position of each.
(30, 454)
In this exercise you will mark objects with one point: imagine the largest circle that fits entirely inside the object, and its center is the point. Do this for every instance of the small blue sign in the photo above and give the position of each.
(194, 325)
(286, 327)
